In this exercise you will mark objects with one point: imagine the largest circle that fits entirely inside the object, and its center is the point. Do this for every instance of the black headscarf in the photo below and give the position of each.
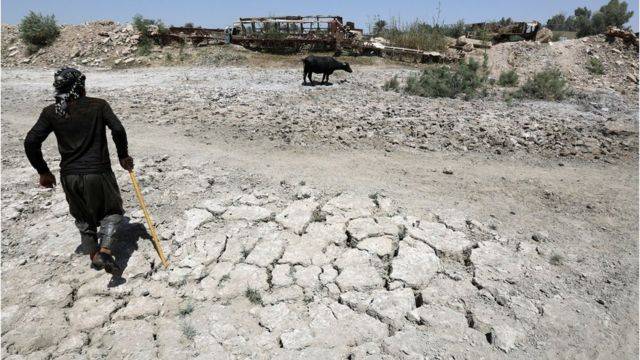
(69, 85)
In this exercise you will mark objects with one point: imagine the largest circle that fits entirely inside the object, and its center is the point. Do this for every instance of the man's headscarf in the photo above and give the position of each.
(69, 85)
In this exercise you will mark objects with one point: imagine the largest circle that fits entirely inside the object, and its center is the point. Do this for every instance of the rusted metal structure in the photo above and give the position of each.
(194, 35)
(496, 32)
(294, 33)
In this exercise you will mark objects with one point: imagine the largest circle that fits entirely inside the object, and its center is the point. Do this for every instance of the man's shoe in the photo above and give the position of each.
(105, 261)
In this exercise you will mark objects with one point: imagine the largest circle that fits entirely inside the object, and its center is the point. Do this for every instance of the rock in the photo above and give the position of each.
(298, 215)
(359, 277)
(296, 339)
(138, 308)
(415, 265)
(504, 337)
(281, 275)
(84, 316)
(249, 213)
(540, 236)
(544, 35)
(363, 227)
(380, 245)
(348, 206)
(266, 252)
(495, 267)
(40, 328)
(214, 206)
(447, 171)
(391, 306)
(192, 220)
(447, 243)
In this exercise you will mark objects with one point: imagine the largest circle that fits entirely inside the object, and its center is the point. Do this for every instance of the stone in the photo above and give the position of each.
(266, 252)
(363, 227)
(415, 265)
(307, 277)
(192, 220)
(40, 328)
(359, 277)
(281, 275)
(83, 316)
(446, 242)
(242, 277)
(504, 337)
(297, 338)
(348, 206)
(297, 215)
(138, 308)
(214, 206)
(379, 245)
(248, 213)
(495, 267)
(128, 339)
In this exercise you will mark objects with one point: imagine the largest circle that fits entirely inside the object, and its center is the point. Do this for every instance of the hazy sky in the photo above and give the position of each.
(223, 13)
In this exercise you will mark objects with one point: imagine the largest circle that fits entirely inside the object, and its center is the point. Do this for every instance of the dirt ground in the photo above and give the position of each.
(371, 224)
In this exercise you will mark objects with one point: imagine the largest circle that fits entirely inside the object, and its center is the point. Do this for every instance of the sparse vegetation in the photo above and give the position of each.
(186, 309)
(253, 295)
(586, 23)
(556, 259)
(508, 78)
(444, 81)
(189, 331)
(168, 57)
(147, 27)
(548, 84)
(392, 84)
(38, 30)
(595, 66)
(223, 280)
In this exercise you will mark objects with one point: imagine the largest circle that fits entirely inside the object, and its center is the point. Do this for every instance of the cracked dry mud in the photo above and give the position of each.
(265, 266)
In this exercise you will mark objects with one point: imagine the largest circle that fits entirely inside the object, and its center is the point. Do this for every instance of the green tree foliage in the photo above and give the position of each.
(38, 30)
(585, 23)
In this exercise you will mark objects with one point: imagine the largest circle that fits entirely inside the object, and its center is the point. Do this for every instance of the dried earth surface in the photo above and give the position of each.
(331, 222)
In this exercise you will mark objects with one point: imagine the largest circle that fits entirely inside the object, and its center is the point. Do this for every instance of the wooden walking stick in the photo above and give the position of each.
(154, 235)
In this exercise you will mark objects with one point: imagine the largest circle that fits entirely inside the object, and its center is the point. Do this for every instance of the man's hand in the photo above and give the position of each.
(127, 163)
(47, 180)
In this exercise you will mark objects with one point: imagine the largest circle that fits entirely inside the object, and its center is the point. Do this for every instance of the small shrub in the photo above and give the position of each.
(254, 296)
(186, 310)
(188, 25)
(189, 331)
(38, 30)
(168, 57)
(556, 259)
(144, 46)
(443, 81)
(223, 280)
(548, 84)
(391, 84)
(595, 66)
(508, 78)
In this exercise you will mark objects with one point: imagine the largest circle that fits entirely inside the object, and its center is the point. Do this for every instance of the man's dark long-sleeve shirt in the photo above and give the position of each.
(82, 139)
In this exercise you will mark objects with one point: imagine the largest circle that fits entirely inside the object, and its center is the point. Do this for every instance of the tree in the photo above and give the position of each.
(379, 26)
(557, 22)
(615, 14)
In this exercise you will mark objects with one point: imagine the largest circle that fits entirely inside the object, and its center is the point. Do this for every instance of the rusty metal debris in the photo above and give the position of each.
(627, 36)
(294, 33)
(496, 32)
(193, 35)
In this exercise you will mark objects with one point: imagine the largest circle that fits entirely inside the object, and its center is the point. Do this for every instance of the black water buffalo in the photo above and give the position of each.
(324, 65)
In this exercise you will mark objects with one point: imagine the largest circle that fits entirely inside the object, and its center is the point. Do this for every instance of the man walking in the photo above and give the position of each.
(88, 182)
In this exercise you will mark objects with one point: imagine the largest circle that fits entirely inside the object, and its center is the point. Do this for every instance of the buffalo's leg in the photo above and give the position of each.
(327, 81)
(304, 77)
(310, 79)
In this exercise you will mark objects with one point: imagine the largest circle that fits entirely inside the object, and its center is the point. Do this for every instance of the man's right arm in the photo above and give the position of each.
(33, 143)
(119, 136)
